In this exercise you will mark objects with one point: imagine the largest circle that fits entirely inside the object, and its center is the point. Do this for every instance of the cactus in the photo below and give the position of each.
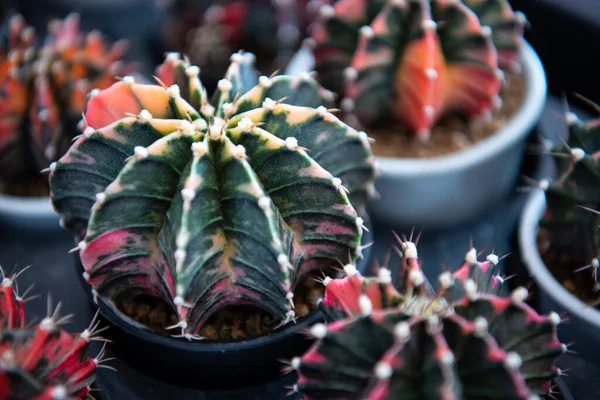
(405, 341)
(43, 90)
(206, 205)
(209, 31)
(571, 220)
(42, 362)
(413, 61)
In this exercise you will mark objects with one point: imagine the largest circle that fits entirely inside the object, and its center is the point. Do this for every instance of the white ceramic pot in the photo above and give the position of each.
(457, 188)
(35, 213)
(583, 326)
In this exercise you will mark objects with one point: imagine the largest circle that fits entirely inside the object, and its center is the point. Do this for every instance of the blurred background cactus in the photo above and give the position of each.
(43, 90)
(265, 172)
(405, 341)
(414, 61)
(208, 31)
(570, 234)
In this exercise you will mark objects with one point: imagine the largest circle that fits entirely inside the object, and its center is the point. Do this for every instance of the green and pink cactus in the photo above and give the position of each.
(43, 90)
(413, 61)
(206, 205)
(405, 341)
(572, 218)
(42, 362)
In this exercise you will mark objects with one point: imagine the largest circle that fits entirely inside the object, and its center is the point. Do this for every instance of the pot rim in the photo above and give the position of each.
(519, 125)
(528, 228)
(133, 328)
(31, 207)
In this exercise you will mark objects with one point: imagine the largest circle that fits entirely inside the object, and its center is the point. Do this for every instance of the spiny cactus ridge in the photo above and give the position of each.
(415, 60)
(572, 216)
(405, 341)
(44, 88)
(43, 361)
(212, 204)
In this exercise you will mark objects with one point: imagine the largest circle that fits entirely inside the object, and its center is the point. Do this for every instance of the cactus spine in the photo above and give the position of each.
(405, 341)
(415, 60)
(206, 205)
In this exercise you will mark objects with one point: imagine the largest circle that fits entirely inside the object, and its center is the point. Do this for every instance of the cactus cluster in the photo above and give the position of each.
(44, 88)
(571, 222)
(210, 204)
(42, 361)
(209, 31)
(413, 61)
(406, 341)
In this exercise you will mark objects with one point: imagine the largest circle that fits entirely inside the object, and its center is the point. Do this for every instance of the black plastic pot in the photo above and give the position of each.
(208, 365)
(583, 323)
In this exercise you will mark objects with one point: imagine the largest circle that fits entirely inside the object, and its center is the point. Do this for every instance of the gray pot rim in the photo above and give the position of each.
(26, 207)
(518, 126)
(528, 228)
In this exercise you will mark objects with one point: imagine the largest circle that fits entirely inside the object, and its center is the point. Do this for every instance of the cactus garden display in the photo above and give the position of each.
(43, 90)
(202, 211)
(423, 77)
(208, 31)
(42, 361)
(403, 340)
(569, 236)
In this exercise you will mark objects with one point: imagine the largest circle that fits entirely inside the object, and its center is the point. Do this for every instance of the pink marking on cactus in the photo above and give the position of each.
(12, 309)
(314, 170)
(343, 294)
(332, 228)
(323, 136)
(112, 247)
(351, 10)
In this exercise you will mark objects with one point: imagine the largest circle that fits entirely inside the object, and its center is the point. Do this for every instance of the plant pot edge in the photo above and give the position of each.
(433, 179)
(29, 212)
(528, 228)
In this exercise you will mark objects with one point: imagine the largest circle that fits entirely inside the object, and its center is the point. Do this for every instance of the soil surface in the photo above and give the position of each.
(452, 132)
(228, 323)
(563, 267)
(26, 187)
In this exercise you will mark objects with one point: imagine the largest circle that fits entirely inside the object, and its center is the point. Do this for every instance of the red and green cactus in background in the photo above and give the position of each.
(44, 88)
(572, 217)
(43, 361)
(405, 341)
(209, 31)
(412, 61)
(209, 204)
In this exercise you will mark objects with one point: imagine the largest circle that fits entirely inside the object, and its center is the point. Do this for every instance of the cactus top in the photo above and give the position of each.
(211, 204)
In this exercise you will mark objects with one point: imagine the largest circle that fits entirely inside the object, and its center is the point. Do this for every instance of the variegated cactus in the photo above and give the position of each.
(405, 341)
(43, 90)
(206, 205)
(42, 362)
(571, 222)
(415, 60)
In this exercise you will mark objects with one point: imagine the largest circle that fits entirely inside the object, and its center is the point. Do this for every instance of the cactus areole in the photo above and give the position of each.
(413, 61)
(571, 223)
(43, 90)
(205, 205)
(42, 361)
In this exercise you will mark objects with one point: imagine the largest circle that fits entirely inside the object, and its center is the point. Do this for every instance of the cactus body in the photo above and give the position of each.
(42, 362)
(405, 341)
(573, 199)
(43, 90)
(208, 205)
(414, 60)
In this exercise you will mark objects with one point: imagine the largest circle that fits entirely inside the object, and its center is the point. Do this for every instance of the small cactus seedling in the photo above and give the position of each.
(571, 220)
(43, 90)
(415, 60)
(209, 31)
(405, 341)
(206, 205)
(42, 362)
